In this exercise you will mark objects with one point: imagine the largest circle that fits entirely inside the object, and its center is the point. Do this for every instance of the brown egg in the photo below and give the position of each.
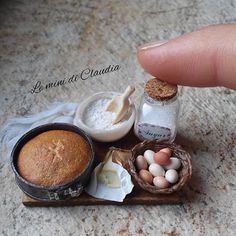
(141, 162)
(146, 176)
(160, 182)
(161, 158)
(166, 150)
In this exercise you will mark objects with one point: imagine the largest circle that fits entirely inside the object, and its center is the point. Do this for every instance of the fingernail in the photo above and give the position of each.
(152, 45)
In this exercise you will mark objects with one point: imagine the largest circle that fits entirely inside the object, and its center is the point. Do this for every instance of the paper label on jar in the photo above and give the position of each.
(151, 132)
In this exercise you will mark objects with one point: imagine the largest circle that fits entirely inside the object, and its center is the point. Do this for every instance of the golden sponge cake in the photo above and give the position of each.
(53, 157)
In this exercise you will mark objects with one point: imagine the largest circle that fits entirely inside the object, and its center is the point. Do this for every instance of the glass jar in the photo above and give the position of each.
(157, 119)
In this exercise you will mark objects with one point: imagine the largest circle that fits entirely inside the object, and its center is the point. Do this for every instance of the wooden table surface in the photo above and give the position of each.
(47, 41)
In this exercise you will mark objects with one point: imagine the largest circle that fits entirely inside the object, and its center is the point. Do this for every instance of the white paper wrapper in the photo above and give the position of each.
(100, 190)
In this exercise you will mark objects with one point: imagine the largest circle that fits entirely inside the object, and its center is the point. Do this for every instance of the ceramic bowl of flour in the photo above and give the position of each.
(94, 120)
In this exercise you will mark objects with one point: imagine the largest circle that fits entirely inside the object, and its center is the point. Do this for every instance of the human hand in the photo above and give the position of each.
(203, 58)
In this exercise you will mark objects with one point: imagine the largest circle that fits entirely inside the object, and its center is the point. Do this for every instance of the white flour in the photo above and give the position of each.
(97, 118)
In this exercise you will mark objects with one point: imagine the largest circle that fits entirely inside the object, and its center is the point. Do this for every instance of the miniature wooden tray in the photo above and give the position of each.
(138, 196)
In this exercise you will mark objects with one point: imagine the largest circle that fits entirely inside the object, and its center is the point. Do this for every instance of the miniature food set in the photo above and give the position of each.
(58, 162)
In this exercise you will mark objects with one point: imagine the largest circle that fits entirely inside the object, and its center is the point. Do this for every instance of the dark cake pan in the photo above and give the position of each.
(57, 192)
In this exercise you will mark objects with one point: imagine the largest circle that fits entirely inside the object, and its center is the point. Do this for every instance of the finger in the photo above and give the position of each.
(206, 57)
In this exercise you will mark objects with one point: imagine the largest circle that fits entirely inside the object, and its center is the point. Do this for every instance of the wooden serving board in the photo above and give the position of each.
(138, 196)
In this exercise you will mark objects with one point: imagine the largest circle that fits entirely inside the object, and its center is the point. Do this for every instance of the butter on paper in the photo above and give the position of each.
(109, 176)
(100, 187)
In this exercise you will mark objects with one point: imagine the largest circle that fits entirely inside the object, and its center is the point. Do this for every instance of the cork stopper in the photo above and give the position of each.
(160, 90)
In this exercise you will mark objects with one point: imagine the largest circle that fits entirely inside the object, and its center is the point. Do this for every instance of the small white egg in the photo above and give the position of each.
(148, 155)
(172, 176)
(175, 164)
(156, 170)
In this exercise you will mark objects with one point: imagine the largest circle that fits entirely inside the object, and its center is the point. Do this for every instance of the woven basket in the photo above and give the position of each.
(185, 171)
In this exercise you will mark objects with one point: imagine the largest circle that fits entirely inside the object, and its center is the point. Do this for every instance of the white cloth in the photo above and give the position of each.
(61, 112)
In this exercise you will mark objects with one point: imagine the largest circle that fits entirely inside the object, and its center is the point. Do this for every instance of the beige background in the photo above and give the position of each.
(49, 40)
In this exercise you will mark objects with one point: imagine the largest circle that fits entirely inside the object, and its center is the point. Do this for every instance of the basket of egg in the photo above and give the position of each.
(159, 167)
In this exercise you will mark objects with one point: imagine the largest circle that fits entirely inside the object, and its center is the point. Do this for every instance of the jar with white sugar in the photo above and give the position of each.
(158, 111)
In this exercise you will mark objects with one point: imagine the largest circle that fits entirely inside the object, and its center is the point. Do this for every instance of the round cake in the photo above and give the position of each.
(53, 157)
